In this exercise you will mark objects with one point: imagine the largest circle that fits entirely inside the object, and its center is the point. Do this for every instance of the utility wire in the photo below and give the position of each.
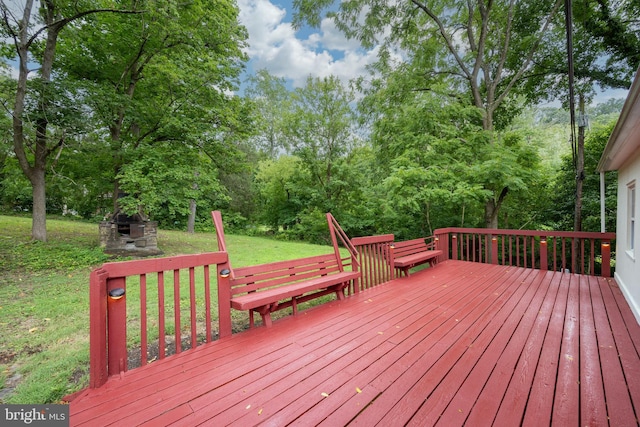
(572, 107)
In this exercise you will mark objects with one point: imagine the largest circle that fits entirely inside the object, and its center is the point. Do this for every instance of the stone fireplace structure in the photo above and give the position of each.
(129, 235)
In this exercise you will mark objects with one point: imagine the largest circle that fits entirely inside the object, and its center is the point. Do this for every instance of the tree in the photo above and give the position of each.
(270, 97)
(561, 208)
(476, 50)
(281, 192)
(161, 78)
(33, 37)
(320, 130)
(616, 25)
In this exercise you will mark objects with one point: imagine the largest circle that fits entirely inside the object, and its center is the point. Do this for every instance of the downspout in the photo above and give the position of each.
(602, 203)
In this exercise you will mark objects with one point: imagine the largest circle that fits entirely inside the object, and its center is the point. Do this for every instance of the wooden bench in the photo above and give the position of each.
(410, 253)
(266, 288)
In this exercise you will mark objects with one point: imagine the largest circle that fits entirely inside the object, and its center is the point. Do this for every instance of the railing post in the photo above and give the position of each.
(224, 300)
(543, 254)
(391, 258)
(98, 328)
(117, 325)
(606, 259)
(454, 246)
(494, 250)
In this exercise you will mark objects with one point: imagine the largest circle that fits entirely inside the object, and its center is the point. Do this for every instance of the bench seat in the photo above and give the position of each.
(265, 288)
(410, 253)
(415, 259)
(265, 298)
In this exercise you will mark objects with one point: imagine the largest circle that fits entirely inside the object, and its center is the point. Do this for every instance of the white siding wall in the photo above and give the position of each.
(628, 265)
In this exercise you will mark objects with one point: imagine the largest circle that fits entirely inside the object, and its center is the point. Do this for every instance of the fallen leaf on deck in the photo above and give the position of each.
(260, 411)
(248, 406)
(324, 394)
(358, 390)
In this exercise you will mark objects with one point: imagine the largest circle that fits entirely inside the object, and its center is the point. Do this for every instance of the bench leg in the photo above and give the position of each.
(294, 305)
(266, 319)
(265, 312)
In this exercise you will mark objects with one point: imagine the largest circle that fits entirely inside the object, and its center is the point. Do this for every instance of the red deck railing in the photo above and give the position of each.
(340, 238)
(578, 252)
(136, 305)
(374, 255)
(132, 304)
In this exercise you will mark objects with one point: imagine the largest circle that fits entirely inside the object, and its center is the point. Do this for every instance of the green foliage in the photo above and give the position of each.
(18, 253)
(44, 298)
(159, 82)
(165, 178)
(564, 187)
(271, 99)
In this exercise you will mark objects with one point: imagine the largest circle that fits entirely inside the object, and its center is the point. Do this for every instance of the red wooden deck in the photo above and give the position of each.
(458, 343)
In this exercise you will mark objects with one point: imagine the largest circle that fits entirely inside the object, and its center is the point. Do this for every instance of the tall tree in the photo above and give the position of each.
(320, 129)
(475, 48)
(31, 37)
(164, 77)
(271, 98)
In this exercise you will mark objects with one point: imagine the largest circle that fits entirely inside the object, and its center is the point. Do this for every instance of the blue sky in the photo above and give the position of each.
(318, 52)
(294, 55)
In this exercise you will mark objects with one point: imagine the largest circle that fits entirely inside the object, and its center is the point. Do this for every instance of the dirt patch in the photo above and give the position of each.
(7, 357)
(13, 378)
(134, 355)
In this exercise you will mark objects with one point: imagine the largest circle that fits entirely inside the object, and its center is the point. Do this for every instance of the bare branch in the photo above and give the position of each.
(529, 57)
(445, 36)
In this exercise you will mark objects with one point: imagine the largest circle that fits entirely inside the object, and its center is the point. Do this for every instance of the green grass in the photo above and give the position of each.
(44, 299)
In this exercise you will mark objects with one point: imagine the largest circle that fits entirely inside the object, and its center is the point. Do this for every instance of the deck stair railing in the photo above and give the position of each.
(340, 239)
(374, 254)
(578, 252)
(150, 303)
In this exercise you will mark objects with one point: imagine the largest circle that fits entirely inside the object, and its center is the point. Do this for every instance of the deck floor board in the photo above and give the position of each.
(459, 343)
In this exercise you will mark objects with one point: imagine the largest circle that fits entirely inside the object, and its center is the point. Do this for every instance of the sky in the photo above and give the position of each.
(294, 55)
(274, 45)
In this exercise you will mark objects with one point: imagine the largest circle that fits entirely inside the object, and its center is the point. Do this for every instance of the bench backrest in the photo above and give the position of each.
(252, 278)
(264, 276)
(410, 247)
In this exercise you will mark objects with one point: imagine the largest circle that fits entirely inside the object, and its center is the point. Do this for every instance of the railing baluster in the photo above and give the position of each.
(207, 303)
(582, 260)
(192, 300)
(575, 252)
(592, 258)
(176, 310)
(162, 330)
(143, 319)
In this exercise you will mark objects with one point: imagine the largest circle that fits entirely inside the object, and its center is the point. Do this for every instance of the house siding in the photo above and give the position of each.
(627, 271)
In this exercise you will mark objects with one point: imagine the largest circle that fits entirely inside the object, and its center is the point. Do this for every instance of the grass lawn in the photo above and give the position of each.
(44, 298)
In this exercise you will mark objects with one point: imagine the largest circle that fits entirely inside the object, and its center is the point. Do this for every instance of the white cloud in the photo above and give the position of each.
(276, 46)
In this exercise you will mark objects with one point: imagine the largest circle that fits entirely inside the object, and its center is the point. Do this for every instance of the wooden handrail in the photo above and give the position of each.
(375, 259)
(543, 249)
(336, 230)
(109, 299)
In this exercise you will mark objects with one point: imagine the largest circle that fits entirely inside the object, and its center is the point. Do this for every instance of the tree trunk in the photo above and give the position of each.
(491, 214)
(492, 209)
(39, 214)
(191, 222)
